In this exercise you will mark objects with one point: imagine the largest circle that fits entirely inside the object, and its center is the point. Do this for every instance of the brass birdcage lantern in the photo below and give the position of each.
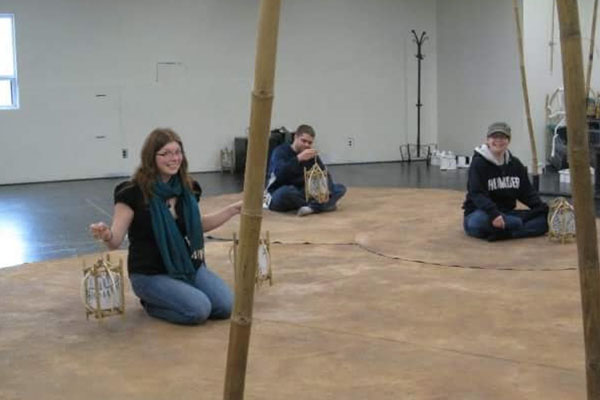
(316, 186)
(102, 288)
(264, 271)
(561, 220)
(227, 160)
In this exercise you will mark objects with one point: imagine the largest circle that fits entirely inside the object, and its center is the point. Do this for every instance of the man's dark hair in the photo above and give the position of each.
(305, 129)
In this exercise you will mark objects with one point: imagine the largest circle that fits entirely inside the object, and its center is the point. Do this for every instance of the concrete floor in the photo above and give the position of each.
(49, 220)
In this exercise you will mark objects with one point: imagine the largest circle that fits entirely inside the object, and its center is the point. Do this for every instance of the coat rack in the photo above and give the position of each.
(419, 152)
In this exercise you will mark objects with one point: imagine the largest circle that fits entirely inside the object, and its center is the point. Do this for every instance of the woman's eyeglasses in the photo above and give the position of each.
(170, 154)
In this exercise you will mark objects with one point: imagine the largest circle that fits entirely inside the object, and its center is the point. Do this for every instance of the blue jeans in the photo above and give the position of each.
(516, 222)
(290, 197)
(180, 302)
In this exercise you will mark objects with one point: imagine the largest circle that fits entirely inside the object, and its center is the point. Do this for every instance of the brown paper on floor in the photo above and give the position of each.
(340, 322)
(423, 225)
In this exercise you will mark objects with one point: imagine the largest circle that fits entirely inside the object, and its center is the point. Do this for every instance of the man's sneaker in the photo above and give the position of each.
(305, 210)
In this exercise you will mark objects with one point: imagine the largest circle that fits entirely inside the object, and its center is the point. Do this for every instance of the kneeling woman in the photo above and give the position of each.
(497, 179)
(159, 210)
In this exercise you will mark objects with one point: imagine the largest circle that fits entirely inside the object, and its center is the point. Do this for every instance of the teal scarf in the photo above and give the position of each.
(176, 254)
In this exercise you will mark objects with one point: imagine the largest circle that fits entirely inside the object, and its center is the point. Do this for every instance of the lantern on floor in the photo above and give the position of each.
(227, 160)
(561, 220)
(316, 184)
(102, 288)
(263, 270)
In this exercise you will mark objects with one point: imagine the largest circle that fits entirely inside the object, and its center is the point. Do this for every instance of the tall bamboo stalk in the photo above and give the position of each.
(534, 159)
(588, 77)
(254, 181)
(585, 220)
(552, 43)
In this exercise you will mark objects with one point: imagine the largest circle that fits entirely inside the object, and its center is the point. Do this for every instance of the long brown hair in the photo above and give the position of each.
(147, 172)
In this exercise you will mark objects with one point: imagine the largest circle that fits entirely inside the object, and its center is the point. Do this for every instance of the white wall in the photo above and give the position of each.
(478, 70)
(478, 75)
(543, 81)
(88, 80)
(348, 67)
(70, 51)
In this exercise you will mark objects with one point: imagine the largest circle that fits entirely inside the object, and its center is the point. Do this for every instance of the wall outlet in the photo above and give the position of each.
(350, 142)
(124, 152)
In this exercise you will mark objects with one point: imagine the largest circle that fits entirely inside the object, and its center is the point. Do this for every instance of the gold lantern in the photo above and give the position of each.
(227, 160)
(263, 271)
(561, 220)
(102, 288)
(315, 184)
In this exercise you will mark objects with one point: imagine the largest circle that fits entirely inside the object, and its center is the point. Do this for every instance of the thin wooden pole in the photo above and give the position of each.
(254, 180)
(534, 159)
(552, 43)
(588, 77)
(585, 219)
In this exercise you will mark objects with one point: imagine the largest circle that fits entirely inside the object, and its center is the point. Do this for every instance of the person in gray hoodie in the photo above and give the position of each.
(497, 179)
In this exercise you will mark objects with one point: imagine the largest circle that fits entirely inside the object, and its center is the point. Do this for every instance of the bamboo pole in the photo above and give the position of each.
(251, 217)
(534, 159)
(588, 79)
(552, 43)
(585, 220)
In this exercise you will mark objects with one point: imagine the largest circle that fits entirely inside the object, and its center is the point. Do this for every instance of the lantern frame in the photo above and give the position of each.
(99, 273)
(315, 173)
(264, 270)
(558, 208)
(227, 160)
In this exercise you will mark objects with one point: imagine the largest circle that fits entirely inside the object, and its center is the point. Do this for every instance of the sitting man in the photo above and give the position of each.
(285, 185)
(497, 179)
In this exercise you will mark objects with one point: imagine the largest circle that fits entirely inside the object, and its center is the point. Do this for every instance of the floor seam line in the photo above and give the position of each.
(440, 349)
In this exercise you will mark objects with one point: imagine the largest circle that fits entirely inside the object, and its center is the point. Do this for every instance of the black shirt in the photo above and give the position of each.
(144, 256)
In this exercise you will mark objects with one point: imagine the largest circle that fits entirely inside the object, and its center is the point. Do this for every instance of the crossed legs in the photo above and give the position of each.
(517, 225)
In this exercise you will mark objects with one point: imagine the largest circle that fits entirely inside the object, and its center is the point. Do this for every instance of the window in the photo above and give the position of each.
(9, 95)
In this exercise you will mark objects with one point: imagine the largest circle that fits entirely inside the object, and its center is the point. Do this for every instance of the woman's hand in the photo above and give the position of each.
(101, 231)
(236, 207)
(114, 236)
(498, 222)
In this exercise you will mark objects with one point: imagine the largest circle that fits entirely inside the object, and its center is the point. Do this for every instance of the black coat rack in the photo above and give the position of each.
(417, 152)
(419, 41)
